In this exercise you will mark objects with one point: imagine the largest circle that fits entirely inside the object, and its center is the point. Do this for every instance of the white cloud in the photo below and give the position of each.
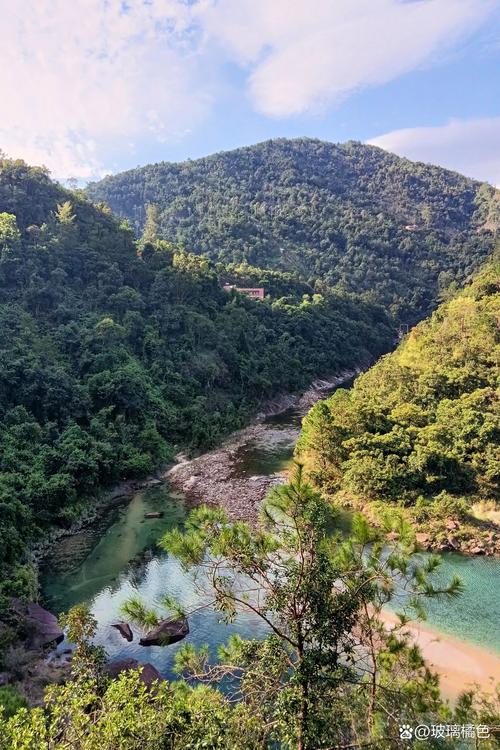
(83, 79)
(81, 76)
(468, 146)
(306, 53)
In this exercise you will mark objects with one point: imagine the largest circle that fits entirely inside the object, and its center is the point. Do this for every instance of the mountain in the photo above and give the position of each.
(113, 356)
(349, 215)
(421, 428)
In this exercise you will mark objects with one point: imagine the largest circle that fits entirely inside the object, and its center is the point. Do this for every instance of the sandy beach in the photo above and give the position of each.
(459, 664)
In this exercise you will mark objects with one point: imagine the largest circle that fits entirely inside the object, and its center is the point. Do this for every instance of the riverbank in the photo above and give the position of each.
(213, 478)
(459, 664)
(467, 535)
(93, 509)
(123, 491)
(105, 572)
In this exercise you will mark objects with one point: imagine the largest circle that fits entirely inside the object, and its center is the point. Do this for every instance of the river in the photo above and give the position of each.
(116, 557)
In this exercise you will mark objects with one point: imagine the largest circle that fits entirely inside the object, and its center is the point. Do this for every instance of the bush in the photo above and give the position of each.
(11, 700)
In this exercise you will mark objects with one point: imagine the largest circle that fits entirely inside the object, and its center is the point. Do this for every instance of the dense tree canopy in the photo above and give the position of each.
(349, 214)
(113, 353)
(423, 423)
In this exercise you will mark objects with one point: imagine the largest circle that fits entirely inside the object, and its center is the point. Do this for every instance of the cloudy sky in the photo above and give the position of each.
(90, 87)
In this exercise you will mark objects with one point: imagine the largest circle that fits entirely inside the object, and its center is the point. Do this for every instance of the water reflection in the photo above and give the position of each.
(118, 557)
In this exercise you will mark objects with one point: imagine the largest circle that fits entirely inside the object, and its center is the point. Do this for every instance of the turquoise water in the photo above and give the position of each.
(118, 557)
(475, 615)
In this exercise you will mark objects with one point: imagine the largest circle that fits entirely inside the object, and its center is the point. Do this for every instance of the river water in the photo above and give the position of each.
(117, 557)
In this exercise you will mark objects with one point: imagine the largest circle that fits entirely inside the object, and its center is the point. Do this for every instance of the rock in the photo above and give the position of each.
(422, 538)
(120, 496)
(41, 626)
(125, 630)
(451, 525)
(154, 514)
(4, 678)
(442, 547)
(148, 675)
(392, 535)
(166, 632)
(477, 550)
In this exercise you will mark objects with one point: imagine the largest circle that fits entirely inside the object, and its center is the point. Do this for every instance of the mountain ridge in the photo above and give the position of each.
(346, 215)
(113, 355)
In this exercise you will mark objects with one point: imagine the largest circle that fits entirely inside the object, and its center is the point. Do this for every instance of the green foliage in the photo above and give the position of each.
(10, 235)
(423, 423)
(349, 215)
(81, 627)
(11, 700)
(85, 716)
(318, 679)
(328, 674)
(113, 358)
(135, 610)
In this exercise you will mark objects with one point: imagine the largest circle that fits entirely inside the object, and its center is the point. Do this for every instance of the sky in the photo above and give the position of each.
(93, 87)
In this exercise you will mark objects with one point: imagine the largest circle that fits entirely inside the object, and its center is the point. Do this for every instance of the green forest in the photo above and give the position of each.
(114, 355)
(421, 428)
(120, 347)
(350, 216)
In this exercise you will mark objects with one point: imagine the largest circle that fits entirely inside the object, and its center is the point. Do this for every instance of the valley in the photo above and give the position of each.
(116, 557)
(130, 358)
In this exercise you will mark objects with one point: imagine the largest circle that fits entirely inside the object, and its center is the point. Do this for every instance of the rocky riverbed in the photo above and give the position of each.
(216, 478)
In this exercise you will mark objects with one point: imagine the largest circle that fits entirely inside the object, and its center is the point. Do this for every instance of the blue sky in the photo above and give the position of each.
(98, 86)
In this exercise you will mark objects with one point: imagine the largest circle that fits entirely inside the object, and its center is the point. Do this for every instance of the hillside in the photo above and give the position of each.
(112, 360)
(421, 428)
(337, 213)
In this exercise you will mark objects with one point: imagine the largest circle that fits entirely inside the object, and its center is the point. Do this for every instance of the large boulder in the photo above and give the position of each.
(148, 674)
(40, 626)
(166, 632)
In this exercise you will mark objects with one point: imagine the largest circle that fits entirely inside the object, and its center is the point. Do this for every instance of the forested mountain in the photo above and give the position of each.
(112, 356)
(114, 353)
(349, 215)
(421, 428)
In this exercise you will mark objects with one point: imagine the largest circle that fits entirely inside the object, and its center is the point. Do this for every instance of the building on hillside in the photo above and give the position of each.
(254, 292)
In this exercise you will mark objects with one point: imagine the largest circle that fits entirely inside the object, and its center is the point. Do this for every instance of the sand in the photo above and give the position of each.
(459, 664)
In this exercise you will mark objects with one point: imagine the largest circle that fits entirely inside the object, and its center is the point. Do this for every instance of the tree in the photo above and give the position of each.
(93, 712)
(329, 674)
(64, 213)
(151, 233)
(10, 235)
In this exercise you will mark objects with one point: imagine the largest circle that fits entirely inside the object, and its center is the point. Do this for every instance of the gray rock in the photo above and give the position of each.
(41, 626)
(166, 632)
(125, 630)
